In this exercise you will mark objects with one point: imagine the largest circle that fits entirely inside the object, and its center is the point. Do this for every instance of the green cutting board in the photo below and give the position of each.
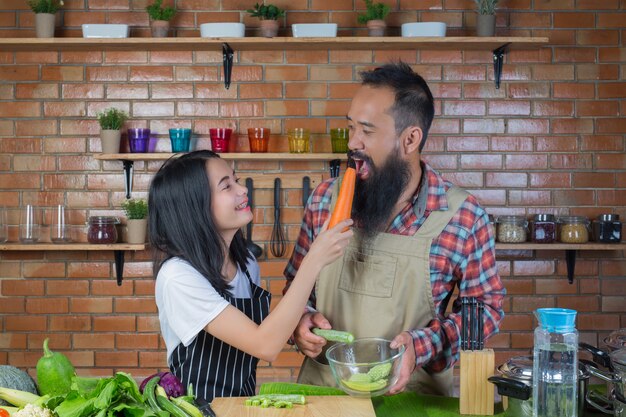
(409, 404)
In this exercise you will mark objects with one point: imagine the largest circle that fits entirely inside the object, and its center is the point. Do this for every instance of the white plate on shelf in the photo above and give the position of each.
(419, 29)
(223, 30)
(105, 30)
(314, 30)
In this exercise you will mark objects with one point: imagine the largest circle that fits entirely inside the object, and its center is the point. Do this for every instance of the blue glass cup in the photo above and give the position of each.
(181, 139)
(138, 140)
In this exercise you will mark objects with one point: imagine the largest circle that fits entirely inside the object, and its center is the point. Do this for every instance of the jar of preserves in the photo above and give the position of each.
(543, 229)
(607, 228)
(102, 229)
(573, 229)
(511, 229)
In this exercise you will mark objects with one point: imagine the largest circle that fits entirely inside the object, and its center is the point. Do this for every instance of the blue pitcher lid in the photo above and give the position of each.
(558, 320)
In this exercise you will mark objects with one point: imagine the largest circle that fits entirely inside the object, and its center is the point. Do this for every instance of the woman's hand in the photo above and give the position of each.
(330, 244)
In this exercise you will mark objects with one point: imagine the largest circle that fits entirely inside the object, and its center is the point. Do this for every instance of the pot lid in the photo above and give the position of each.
(618, 357)
(518, 367)
(616, 340)
(521, 368)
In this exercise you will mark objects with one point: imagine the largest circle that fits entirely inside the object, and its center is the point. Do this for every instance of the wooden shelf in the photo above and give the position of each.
(569, 248)
(270, 44)
(233, 156)
(69, 246)
(561, 246)
(117, 248)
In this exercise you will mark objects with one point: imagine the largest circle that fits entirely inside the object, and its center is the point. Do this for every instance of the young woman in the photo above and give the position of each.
(214, 315)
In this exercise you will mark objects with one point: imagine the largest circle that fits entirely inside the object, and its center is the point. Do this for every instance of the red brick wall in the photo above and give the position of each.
(551, 139)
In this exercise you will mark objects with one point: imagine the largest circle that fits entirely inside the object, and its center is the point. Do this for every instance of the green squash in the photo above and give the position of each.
(54, 372)
(14, 378)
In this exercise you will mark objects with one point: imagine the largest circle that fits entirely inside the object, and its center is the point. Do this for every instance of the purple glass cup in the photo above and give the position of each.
(138, 140)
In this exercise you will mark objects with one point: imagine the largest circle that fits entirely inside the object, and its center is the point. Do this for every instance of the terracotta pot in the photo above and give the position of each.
(110, 140)
(136, 230)
(269, 28)
(159, 28)
(376, 27)
(485, 24)
(44, 25)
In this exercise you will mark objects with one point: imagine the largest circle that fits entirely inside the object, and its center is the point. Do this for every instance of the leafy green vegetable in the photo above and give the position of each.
(102, 397)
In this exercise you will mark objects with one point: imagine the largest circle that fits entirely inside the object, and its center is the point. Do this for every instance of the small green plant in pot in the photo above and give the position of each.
(45, 19)
(136, 210)
(111, 121)
(374, 17)
(486, 17)
(160, 18)
(268, 14)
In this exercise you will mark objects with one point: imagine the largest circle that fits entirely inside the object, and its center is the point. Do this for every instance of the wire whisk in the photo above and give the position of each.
(277, 244)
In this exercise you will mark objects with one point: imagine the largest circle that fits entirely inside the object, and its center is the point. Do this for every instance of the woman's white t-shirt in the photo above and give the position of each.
(187, 302)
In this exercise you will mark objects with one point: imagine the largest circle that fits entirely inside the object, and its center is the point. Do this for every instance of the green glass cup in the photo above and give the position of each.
(339, 139)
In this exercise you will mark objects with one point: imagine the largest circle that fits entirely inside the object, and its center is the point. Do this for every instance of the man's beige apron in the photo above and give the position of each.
(381, 288)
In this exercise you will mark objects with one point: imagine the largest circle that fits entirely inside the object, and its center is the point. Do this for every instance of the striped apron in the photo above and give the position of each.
(215, 368)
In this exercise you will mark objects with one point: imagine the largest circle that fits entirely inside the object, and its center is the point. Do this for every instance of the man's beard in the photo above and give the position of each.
(376, 196)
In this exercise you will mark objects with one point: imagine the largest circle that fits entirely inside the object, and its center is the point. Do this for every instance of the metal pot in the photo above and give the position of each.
(515, 381)
(616, 375)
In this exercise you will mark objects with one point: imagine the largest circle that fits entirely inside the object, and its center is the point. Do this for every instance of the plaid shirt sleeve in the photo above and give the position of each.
(315, 214)
(463, 255)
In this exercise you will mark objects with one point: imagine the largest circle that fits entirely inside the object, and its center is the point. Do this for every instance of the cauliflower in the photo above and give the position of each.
(31, 410)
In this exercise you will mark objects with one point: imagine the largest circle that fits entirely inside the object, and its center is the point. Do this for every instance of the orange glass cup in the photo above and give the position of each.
(259, 138)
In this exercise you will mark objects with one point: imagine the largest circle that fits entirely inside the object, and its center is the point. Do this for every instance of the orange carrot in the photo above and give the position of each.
(343, 207)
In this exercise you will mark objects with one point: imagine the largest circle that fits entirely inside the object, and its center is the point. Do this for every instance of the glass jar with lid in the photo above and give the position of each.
(573, 229)
(543, 228)
(511, 229)
(102, 229)
(607, 228)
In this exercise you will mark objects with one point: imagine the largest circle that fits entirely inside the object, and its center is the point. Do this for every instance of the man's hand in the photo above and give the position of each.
(408, 361)
(309, 343)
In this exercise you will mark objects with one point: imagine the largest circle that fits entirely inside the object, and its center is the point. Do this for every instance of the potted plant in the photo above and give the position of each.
(45, 11)
(374, 17)
(268, 14)
(160, 18)
(111, 121)
(486, 18)
(137, 219)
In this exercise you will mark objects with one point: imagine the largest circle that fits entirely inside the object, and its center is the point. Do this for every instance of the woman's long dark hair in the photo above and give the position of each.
(181, 223)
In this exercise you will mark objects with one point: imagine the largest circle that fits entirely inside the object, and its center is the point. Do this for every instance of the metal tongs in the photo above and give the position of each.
(472, 311)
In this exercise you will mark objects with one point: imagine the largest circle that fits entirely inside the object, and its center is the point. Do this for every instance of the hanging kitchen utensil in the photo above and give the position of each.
(306, 190)
(255, 249)
(334, 168)
(277, 244)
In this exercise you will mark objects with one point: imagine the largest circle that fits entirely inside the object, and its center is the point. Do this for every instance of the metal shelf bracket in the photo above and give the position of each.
(128, 177)
(119, 266)
(498, 60)
(570, 261)
(227, 56)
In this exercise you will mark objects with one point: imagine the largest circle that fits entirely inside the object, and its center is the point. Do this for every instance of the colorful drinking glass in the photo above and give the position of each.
(138, 139)
(180, 139)
(299, 140)
(220, 138)
(339, 139)
(259, 138)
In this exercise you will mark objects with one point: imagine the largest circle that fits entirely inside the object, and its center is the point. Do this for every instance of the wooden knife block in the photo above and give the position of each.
(477, 393)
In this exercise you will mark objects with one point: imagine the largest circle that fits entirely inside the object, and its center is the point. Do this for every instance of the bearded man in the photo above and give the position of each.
(417, 237)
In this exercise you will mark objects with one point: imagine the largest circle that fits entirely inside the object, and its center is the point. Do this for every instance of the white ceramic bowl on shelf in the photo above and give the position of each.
(314, 30)
(223, 30)
(105, 30)
(420, 29)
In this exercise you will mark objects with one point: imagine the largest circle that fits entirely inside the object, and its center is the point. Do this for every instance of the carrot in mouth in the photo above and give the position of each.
(343, 208)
